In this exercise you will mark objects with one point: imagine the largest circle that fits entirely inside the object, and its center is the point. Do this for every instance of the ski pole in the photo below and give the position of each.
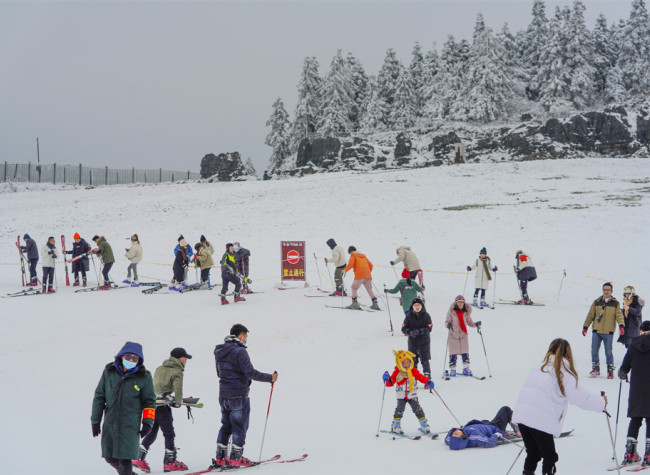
(465, 286)
(267, 419)
(618, 406)
(484, 352)
(390, 318)
(381, 410)
(515, 461)
(318, 270)
(444, 362)
(611, 437)
(394, 272)
(494, 289)
(561, 282)
(329, 273)
(521, 292)
(443, 402)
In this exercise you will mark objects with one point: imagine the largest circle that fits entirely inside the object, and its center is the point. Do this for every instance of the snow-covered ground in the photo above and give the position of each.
(588, 216)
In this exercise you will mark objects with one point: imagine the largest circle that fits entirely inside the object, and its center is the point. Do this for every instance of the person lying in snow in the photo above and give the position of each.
(483, 433)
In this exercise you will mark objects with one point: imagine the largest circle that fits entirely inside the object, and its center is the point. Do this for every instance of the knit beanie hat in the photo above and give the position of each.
(95, 237)
(483, 251)
(203, 239)
(76, 236)
(180, 237)
(406, 273)
(459, 298)
(228, 245)
(236, 244)
(183, 243)
(331, 243)
(26, 236)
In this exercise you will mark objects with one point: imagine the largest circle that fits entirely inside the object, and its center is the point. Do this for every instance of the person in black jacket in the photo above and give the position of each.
(631, 307)
(236, 373)
(181, 262)
(79, 248)
(637, 359)
(32, 256)
(417, 325)
(230, 273)
(241, 257)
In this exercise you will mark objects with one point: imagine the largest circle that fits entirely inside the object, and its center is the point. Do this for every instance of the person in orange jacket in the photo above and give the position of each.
(362, 276)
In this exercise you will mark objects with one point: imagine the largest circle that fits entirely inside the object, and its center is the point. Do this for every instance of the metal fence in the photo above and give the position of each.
(80, 175)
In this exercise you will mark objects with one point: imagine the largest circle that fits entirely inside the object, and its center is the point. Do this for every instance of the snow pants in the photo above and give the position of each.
(338, 277)
(418, 274)
(502, 418)
(179, 274)
(32, 270)
(482, 293)
(165, 422)
(523, 285)
(105, 270)
(367, 283)
(539, 446)
(607, 340)
(234, 420)
(227, 277)
(48, 277)
(123, 466)
(635, 425)
(422, 351)
(132, 266)
(415, 407)
(205, 274)
(80, 265)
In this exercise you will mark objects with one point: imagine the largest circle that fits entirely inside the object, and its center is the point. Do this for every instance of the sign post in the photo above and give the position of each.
(292, 260)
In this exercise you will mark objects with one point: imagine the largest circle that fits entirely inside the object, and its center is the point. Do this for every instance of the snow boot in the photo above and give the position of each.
(135, 283)
(224, 301)
(239, 298)
(483, 304)
(140, 464)
(595, 371)
(170, 464)
(452, 373)
(631, 455)
(610, 371)
(427, 375)
(354, 305)
(397, 426)
(375, 304)
(51, 291)
(105, 286)
(44, 291)
(467, 371)
(76, 283)
(237, 459)
(424, 426)
(475, 302)
(126, 281)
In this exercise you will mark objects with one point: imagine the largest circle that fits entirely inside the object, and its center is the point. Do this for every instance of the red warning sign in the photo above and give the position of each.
(293, 260)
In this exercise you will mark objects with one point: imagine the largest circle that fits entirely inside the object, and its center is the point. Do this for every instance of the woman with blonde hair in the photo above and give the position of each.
(542, 405)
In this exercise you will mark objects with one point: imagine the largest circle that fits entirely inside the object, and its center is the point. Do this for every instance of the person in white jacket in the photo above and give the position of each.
(134, 255)
(542, 405)
(48, 259)
(339, 261)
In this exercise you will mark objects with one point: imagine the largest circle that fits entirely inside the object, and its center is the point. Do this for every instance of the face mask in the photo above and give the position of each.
(129, 364)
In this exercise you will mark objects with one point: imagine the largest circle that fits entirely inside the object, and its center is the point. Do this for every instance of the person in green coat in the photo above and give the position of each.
(105, 251)
(125, 398)
(408, 288)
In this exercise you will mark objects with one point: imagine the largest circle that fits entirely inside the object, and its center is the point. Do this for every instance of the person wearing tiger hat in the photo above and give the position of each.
(405, 377)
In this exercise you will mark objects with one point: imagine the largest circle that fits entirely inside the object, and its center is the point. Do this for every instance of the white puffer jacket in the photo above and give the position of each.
(338, 256)
(404, 254)
(542, 406)
(47, 260)
(481, 280)
(134, 254)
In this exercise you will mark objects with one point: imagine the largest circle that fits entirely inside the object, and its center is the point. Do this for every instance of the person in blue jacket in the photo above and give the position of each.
(483, 433)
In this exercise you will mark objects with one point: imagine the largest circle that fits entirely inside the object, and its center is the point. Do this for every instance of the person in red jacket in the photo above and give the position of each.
(404, 378)
(362, 276)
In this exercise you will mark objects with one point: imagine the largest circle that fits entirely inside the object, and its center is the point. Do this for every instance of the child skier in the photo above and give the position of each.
(482, 277)
(417, 326)
(404, 378)
(481, 433)
(48, 254)
(229, 272)
(459, 317)
(133, 254)
(408, 288)
(181, 262)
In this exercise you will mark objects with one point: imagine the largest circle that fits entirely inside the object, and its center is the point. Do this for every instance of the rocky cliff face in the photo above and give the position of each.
(222, 167)
(618, 132)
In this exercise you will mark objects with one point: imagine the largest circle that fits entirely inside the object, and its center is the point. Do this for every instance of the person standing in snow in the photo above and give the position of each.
(417, 326)
(481, 433)
(338, 260)
(603, 316)
(404, 378)
(637, 359)
(105, 252)
(229, 273)
(134, 255)
(542, 405)
(188, 251)
(125, 398)
(362, 276)
(632, 314)
(236, 373)
(241, 256)
(203, 258)
(409, 290)
(482, 279)
(168, 386)
(31, 250)
(181, 262)
(80, 248)
(526, 272)
(410, 260)
(459, 317)
(49, 255)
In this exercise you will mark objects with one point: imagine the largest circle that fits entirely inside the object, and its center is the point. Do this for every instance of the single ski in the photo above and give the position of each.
(515, 302)
(346, 308)
(480, 378)
(197, 286)
(101, 287)
(228, 468)
(154, 288)
(638, 469)
(80, 256)
(623, 465)
(401, 436)
(23, 293)
(67, 276)
(187, 401)
(150, 284)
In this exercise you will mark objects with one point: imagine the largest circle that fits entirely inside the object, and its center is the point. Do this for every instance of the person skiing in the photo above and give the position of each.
(632, 314)
(459, 317)
(134, 255)
(82, 264)
(603, 316)
(409, 290)
(49, 255)
(482, 278)
(31, 250)
(481, 433)
(236, 373)
(229, 273)
(405, 377)
(105, 251)
(338, 260)
(417, 326)
(637, 359)
(181, 262)
(203, 258)
(410, 260)
(241, 256)
(543, 402)
(168, 386)
(526, 272)
(362, 276)
(125, 398)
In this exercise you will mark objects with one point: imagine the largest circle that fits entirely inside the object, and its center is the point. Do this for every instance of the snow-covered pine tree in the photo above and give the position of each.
(249, 168)
(419, 76)
(579, 57)
(429, 110)
(403, 112)
(448, 82)
(358, 89)
(374, 112)
(513, 64)
(337, 103)
(634, 55)
(387, 82)
(615, 84)
(604, 56)
(308, 107)
(278, 138)
(533, 41)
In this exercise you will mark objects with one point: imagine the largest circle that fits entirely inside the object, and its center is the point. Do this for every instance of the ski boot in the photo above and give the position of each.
(135, 283)
(631, 455)
(76, 283)
(610, 371)
(452, 373)
(126, 281)
(51, 291)
(44, 291)
(475, 302)
(467, 371)
(141, 464)
(396, 427)
(646, 457)
(84, 284)
(239, 298)
(483, 304)
(224, 301)
(170, 464)
(515, 429)
(237, 459)
(337, 293)
(183, 286)
(375, 304)
(424, 426)
(220, 461)
(595, 371)
(354, 305)
(106, 286)
(427, 375)
(173, 287)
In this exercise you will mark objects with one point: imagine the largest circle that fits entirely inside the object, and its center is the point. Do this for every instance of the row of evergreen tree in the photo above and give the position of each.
(557, 63)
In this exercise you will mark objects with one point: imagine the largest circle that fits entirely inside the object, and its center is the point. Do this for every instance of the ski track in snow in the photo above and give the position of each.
(588, 216)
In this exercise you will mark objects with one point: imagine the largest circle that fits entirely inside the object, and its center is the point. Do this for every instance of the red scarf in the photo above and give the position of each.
(461, 320)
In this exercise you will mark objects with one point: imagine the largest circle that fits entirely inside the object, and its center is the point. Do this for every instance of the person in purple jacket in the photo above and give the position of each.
(483, 433)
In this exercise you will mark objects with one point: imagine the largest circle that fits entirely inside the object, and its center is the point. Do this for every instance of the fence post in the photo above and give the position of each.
(188, 174)
(5, 170)
(133, 175)
(117, 177)
(90, 172)
(160, 181)
(80, 170)
(106, 176)
(29, 172)
(54, 175)
(172, 177)
(65, 169)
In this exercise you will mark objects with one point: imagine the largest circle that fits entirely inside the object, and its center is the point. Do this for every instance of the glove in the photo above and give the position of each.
(429, 384)
(414, 333)
(622, 374)
(494, 269)
(423, 288)
(325, 260)
(386, 377)
(392, 263)
(584, 331)
(469, 268)
(176, 404)
(621, 330)
(385, 290)
(146, 428)
(96, 429)
(449, 325)
(478, 324)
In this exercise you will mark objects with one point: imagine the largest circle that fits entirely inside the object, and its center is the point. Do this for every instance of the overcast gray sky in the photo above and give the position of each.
(160, 84)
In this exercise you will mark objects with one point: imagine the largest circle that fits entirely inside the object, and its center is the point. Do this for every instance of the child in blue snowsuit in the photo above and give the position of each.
(477, 433)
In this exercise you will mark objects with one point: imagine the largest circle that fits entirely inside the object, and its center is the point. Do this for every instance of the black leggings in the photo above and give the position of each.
(482, 293)
(539, 445)
(123, 466)
(635, 425)
(415, 407)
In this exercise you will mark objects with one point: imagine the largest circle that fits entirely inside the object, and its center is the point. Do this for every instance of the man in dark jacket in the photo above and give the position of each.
(637, 359)
(236, 372)
(125, 397)
(229, 273)
(31, 250)
(632, 308)
(417, 326)
(80, 251)
(241, 257)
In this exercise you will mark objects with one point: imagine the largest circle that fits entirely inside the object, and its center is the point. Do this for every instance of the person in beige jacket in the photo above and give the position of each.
(604, 314)
(410, 260)
(339, 261)
(133, 254)
(203, 258)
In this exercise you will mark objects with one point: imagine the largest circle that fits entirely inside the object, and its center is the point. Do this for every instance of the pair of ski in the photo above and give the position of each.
(24, 293)
(447, 377)
(101, 287)
(187, 401)
(634, 467)
(512, 437)
(274, 459)
(366, 309)
(483, 306)
(154, 288)
(515, 302)
(396, 435)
